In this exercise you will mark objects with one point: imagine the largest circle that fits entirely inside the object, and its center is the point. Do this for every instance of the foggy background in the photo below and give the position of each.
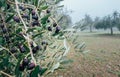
(92, 7)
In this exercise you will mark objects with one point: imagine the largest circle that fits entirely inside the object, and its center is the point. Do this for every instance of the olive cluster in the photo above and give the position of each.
(55, 25)
(21, 47)
(26, 63)
(57, 28)
(44, 44)
(5, 33)
(35, 48)
(7, 37)
(35, 22)
(35, 18)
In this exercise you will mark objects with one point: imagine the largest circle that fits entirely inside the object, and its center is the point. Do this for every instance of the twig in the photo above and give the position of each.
(6, 74)
(10, 52)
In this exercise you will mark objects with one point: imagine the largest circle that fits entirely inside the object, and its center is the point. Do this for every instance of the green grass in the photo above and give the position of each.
(102, 60)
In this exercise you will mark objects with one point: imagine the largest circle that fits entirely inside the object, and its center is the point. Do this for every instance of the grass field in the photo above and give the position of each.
(101, 60)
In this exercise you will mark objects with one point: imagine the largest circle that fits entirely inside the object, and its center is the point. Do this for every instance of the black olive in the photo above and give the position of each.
(2, 26)
(8, 41)
(49, 28)
(33, 12)
(4, 30)
(39, 69)
(31, 43)
(43, 42)
(35, 23)
(25, 16)
(48, 21)
(31, 66)
(13, 50)
(54, 24)
(8, 6)
(16, 18)
(7, 37)
(22, 8)
(21, 67)
(47, 11)
(22, 49)
(25, 62)
(35, 17)
(34, 50)
(38, 47)
(57, 29)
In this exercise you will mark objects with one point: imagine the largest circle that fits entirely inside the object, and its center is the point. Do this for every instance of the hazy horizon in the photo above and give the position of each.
(94, 8)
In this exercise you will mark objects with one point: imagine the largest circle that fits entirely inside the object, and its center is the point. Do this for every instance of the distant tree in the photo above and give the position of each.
(62, 17)
(80, 25)
(65, 21)
(85, 23)
(88, 22)
(96, 22)
(107, 22)
(118, 24)
(117, 19)
(96, 19)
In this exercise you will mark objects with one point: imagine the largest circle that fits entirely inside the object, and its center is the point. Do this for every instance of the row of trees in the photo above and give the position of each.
(107, 22)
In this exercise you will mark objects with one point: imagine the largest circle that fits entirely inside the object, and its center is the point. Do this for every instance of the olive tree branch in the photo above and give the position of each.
(2, 15)
(25, 30)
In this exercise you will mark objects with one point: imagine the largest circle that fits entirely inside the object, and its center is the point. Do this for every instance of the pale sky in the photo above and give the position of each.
(92, 7)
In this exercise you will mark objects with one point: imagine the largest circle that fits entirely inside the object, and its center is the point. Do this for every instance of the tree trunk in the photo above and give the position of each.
(90, 28)
(111, 29)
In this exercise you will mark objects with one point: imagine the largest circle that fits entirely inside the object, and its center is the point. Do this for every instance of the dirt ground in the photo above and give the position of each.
(102, 58)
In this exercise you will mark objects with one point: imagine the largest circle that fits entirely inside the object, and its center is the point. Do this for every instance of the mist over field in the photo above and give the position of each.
(96, 26)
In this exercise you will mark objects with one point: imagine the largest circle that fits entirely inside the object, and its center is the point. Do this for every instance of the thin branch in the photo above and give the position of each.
(27, 36)
(10, 52)
(6, 74)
